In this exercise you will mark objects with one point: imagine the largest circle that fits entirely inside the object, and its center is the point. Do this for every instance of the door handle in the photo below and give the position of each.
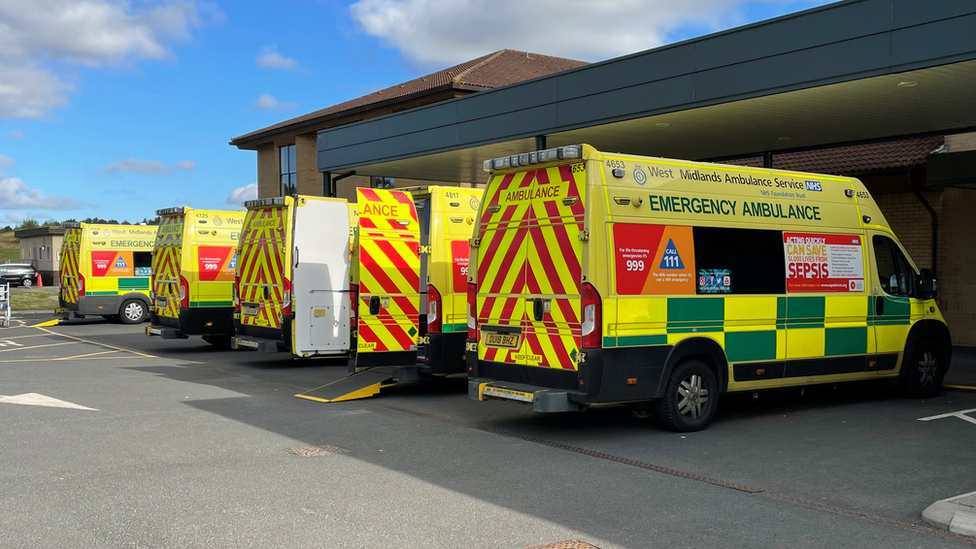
(879, 305)
(267, 292)
(296, 256)
(538, 312)
(374, 305)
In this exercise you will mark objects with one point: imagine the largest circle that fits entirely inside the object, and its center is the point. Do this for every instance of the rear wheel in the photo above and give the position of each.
(28, 282)
(924, 369)
(132, 311)
(690, 398)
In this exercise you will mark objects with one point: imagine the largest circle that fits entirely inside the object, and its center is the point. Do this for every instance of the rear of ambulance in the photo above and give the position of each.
(450, 214)
(386, 280)
(531, 313)
(71, 280)
(262, 289)
(169, 287)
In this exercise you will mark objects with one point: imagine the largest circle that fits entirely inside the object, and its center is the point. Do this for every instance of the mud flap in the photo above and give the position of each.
(363, 384)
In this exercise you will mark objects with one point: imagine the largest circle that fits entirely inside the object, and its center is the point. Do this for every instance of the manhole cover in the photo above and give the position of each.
(316, 451)
(568, 544)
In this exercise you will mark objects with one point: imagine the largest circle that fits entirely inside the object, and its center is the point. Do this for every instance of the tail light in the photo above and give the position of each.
(472, 310)
(237, 292)
(592, 318)
(353, 301)
(433, 310)
(81, 284)
(184, 293)
(286, 297)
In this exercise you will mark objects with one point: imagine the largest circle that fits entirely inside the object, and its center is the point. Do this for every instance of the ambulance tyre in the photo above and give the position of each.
(690, 398)
(924, 369)
(132, 311)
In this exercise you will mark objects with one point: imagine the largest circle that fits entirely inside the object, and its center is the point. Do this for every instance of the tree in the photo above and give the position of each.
(28, 223)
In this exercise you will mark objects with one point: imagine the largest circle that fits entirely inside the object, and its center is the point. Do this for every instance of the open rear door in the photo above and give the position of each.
(389, 279)
(321, 271)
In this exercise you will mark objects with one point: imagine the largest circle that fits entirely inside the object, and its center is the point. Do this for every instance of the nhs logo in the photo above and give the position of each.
(814, 186)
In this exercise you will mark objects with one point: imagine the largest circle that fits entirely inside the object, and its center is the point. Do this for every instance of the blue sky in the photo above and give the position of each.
(128, 107)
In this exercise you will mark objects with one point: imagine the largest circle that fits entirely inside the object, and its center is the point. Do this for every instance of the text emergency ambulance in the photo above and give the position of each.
(601, 278)
(193, 274)
(105, 271)
(292, 288)
(409, 277)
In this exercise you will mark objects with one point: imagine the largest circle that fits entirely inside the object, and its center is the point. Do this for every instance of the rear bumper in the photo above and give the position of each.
(164, 332)
(198, 321)
(542, 399)
(259, 344)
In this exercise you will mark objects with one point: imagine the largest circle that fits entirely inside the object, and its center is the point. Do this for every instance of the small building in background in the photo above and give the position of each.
(41, 247)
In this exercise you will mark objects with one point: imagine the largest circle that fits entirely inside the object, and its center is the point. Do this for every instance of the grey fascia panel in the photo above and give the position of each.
(418, 120)
(363, 153)
(627, 71)
(526, 96)
(352, 133)
(500, 127)
(819, 65)
(627, 102)
(934, 40)
(905, 13)
(837, 23)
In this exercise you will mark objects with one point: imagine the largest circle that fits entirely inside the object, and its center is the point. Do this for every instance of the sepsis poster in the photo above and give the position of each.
(653, 259)
(823, 263)
(459, 265)
(216, 263)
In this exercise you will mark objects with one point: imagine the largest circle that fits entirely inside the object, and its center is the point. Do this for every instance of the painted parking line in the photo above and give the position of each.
(963, 387)
(100, 344)
(87, 356)
(23, 348)
(961, 414)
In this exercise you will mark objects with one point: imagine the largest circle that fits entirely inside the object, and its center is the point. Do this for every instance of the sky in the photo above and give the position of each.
(115, 109)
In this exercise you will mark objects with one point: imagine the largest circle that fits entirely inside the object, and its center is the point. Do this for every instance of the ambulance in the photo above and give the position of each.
(600, 279)
(193, 265)
(105, 271)
(292, 277)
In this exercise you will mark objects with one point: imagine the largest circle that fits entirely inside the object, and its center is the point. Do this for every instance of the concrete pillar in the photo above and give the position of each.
(309, 180)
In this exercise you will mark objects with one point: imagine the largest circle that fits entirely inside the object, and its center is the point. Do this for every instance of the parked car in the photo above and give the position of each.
(19, 274)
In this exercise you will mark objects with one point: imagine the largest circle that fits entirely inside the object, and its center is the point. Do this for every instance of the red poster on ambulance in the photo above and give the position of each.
(654, 259)
(216, 263)
(823, 263)
(459, 265)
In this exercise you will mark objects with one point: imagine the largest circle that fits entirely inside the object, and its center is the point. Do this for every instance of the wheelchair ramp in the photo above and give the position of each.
(362, 384)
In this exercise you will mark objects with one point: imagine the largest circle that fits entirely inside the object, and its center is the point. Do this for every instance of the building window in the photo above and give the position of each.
(289, 170)
(382, 182)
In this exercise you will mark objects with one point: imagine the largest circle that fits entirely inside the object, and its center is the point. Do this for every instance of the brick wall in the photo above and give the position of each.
(912, 224)
(309, 178)
(269, 182)
(957, 283)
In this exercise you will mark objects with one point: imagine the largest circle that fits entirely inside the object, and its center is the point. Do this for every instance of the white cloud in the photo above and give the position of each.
(16, 195)
(451, 31)
(269, 58)
(267, 102)
(148, 167)
(16, 134)
(38, 35)
(6, 162)
(240, 194)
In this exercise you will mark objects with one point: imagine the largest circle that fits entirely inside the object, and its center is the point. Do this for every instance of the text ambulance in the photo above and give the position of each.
(603, 278)
(193, 274)
(105, 271)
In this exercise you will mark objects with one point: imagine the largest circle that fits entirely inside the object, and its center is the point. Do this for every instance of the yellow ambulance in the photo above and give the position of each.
(105, 270)
(193, 266)
(602, 278)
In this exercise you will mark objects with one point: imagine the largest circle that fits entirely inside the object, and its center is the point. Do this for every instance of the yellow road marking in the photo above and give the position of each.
(25, 336)
(106, 345)
(316, 399)
(967, 387)
(54, 359)
(84, 356)
(38, 346)
(47, 323)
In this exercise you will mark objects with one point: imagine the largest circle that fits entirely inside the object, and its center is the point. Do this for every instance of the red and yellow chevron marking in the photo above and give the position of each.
(389, 267)
(262, 263)
(165, 281)
(530, 249)
(70, 252)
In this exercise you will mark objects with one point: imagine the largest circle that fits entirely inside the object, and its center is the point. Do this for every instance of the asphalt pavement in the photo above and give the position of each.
(187, 445)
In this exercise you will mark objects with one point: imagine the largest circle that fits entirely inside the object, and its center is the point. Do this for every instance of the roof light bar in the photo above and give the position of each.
(176, 210)
(71, 225)
(568, 152)
(262, 202)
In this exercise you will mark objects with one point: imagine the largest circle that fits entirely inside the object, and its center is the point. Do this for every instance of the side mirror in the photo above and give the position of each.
(926, 285)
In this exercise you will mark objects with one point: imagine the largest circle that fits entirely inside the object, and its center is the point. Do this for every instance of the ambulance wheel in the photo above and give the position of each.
(690, 398)
(132, 311)
(923, 370)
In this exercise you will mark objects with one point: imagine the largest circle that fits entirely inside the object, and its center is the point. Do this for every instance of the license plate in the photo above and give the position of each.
(509, 341)
(507, 394)
(250, 311)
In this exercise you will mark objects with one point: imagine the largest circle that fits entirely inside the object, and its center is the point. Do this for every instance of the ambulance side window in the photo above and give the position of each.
(753, 260)
(895, 274)
(142, 263)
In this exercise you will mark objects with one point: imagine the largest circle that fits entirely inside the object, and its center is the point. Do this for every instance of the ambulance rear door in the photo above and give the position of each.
(321, 276)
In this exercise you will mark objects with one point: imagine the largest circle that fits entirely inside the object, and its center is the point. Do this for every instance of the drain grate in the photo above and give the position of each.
(316, 451)
(568, 544)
